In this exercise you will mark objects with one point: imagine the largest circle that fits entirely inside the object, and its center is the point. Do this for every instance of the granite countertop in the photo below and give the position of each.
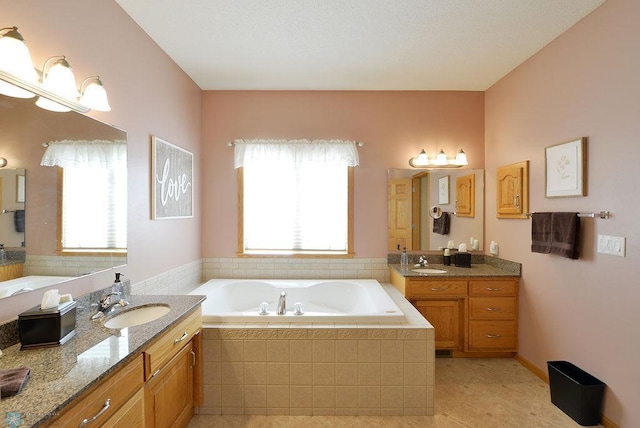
(481, 270)
(62, 373)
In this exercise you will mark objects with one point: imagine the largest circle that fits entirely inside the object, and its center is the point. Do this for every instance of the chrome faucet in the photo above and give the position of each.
(282, 304)
(423, 261)
(105, 306)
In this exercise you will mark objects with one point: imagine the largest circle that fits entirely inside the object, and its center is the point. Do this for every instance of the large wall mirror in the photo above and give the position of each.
(416, 196)
(30, 215)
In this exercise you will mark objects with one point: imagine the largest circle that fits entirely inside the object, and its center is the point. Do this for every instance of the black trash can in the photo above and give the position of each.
(576, 392)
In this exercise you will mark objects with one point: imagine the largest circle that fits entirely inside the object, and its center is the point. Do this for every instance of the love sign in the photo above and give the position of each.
(172, 180)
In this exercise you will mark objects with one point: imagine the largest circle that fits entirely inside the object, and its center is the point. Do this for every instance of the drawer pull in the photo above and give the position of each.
(183, 337)
(492, 309)
(193, 359)
(493, 336)
(105, 407)
(438, 289)
(493, 289)
(156, 372)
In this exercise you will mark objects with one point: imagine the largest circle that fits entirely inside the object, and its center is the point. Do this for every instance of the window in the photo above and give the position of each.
(93, 209)
(295, 204)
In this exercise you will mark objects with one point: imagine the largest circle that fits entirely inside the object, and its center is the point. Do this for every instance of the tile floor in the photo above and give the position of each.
(482, 392)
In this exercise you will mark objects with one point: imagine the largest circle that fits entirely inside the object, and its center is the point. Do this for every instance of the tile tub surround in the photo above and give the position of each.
(320, 369)
(61, 373)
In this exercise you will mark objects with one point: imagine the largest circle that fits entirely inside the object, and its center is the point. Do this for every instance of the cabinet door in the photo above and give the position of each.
(513, 190)
(129, 415)
(445, 317)
(466, 196)
(169, 393)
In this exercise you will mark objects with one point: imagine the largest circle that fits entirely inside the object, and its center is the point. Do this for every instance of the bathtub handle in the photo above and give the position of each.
(183, 337)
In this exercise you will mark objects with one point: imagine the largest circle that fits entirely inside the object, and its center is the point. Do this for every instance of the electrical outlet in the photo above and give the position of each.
(613, 245)
(493, 248)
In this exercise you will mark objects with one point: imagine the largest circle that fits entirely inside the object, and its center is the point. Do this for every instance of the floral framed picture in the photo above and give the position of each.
(566, 169)
(443, 190)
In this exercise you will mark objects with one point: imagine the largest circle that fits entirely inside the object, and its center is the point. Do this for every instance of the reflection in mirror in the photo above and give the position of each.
(35, 257)
(413, 193)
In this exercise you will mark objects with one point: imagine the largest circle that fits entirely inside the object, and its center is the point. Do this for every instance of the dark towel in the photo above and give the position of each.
(18, 220)
(541, 233)
(12, 381)
(441, 225)
(565, 235)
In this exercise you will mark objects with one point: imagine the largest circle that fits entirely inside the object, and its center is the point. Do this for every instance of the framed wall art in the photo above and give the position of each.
(443, 190)
(171, 181)
(566, 169)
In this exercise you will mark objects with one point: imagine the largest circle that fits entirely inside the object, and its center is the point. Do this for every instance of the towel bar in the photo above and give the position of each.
(601, 214)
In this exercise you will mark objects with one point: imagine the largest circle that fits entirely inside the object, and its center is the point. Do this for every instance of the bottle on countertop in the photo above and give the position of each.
(447, 257)
(118, 286)
(404, 257)
(3, 253)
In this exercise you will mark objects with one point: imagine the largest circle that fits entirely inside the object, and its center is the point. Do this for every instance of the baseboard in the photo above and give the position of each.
(606, 423)
(462, 354)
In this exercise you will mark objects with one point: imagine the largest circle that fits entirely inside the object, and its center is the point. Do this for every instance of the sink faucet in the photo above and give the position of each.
(282, 304)
(105, 306)
(423, 261)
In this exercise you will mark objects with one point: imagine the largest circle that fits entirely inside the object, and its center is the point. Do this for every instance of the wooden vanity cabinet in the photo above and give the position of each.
(11, 271)
(441, 302)
(173, 369)
(469, 314)
(158, 388)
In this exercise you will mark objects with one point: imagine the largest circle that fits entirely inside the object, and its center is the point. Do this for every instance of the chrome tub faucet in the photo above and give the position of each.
(282, 304)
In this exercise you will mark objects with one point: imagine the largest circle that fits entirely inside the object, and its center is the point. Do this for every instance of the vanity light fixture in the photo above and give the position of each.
(440, 161)
(57, 91)
(59, 79)
(16, 60)
(93, 94)
(3, 162)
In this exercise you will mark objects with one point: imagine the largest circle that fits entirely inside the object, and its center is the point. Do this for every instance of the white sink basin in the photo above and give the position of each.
(137, 316)
(426, 270)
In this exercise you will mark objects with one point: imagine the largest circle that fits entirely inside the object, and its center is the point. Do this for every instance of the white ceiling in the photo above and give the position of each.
(353, 44)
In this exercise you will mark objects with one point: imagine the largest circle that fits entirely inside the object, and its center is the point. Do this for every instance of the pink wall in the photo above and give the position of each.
(394, 126)
(585, 83)
(149, 95)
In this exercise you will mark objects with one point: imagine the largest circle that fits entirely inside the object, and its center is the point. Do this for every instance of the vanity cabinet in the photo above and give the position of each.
(11, 271)
(102, 404)
(469, 314)
(158, 388)
(173, 369)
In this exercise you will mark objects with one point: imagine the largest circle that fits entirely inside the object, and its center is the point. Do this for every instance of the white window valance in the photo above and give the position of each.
(86, 154)
(334, 152)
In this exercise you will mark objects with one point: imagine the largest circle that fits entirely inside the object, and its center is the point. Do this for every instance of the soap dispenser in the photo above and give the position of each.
(404, 257)
(3, 253)
(118, 286)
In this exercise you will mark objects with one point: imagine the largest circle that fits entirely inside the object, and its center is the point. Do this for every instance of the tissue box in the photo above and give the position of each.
(463, 259)
(47, 327)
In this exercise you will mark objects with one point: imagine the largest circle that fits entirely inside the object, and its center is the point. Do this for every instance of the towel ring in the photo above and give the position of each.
(435, 212)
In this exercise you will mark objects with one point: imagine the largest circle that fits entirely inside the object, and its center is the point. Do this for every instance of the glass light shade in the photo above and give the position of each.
(94, 96)
(15, 59)
(441, 159)
(419, 161)
(3, 162)
(61, 81)
(461, 158)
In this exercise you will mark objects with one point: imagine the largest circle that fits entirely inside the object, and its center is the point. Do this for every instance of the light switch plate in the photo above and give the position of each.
(613, 245)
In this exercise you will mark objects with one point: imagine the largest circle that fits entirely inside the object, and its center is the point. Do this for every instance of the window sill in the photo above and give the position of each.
(292, 254)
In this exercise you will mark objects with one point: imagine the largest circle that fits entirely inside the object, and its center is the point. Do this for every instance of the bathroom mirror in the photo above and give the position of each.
(25, 128)
(414, 195)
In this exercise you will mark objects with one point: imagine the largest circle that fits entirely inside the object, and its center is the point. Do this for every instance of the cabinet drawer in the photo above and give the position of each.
(162, 350)
(492, 308)
(116, 390)
(494, 288)
(436, 288)
(493, 335)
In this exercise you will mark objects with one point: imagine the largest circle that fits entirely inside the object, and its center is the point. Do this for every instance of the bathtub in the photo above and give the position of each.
(323, 301)
(29, 283)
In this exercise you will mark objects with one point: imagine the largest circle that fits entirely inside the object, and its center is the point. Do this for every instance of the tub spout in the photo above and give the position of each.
(282, 304)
